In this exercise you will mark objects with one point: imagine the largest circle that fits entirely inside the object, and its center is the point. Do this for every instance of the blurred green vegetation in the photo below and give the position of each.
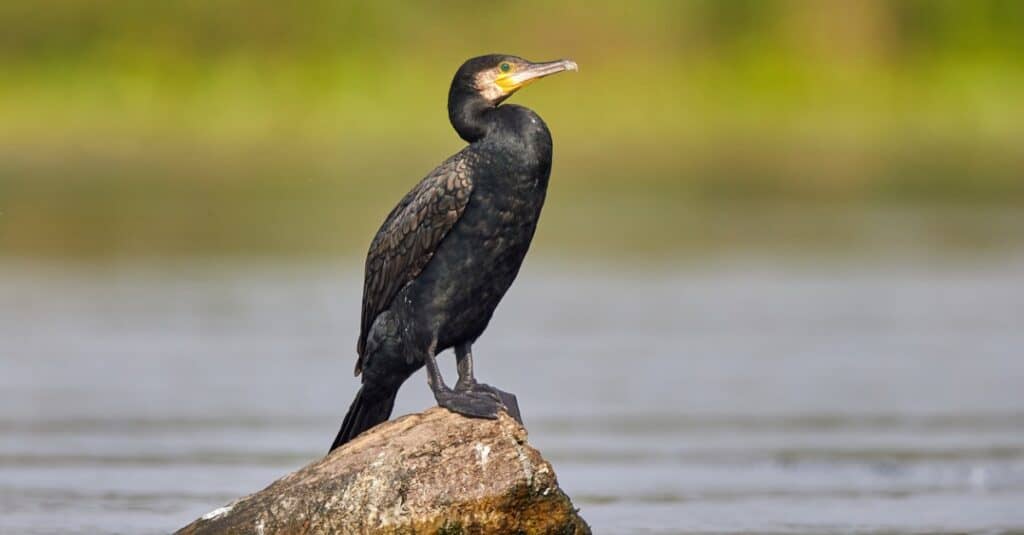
(257, 127)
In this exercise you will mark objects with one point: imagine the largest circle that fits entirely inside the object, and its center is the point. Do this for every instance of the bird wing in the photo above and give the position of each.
(408, 238)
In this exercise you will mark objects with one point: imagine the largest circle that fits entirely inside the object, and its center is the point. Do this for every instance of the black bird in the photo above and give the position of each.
(449, 251)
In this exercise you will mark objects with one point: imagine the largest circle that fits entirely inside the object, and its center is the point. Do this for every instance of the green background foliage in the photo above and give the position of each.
(264, 128)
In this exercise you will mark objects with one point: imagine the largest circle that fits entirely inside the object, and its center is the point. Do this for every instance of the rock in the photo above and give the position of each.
(434, 472)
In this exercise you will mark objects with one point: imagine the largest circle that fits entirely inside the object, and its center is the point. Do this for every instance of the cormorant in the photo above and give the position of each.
(446, 254)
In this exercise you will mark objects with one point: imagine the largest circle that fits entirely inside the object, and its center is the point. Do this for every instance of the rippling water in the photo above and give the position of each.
(747, 396)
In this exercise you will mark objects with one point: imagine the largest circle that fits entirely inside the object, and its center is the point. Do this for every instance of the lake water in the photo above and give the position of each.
(750, 395)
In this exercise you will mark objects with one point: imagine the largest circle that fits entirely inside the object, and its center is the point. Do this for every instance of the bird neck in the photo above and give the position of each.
(468, 113)
(475, 118)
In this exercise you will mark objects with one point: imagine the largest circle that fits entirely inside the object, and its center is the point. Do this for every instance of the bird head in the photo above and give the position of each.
(496, 77)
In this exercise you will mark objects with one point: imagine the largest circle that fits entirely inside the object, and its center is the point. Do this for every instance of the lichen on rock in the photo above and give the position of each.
(435, 472)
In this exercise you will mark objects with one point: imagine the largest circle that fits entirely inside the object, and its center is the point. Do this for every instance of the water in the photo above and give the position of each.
(880, 395)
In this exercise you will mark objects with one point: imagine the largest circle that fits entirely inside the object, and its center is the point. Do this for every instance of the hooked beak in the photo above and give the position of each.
(534, 71)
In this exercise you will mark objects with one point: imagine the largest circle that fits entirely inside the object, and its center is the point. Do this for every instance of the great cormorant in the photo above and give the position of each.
(449, 250)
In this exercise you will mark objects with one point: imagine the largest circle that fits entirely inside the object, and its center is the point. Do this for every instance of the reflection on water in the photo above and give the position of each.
(748, 396)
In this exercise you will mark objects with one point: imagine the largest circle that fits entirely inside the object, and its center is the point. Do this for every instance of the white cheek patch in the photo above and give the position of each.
(488, 88)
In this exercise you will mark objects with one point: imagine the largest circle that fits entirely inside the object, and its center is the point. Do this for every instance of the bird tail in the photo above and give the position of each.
(371, 407)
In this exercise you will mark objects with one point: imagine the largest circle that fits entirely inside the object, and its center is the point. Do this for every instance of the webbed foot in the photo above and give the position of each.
(470, 403)
(508, 399)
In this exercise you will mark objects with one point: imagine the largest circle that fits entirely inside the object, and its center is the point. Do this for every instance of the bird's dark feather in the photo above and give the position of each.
(409, 236)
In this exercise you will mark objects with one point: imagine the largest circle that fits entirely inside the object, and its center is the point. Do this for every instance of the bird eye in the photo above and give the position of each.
(505, 67)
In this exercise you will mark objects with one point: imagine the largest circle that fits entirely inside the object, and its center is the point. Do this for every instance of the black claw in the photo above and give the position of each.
(511, 404)
(467, 403)
(507, 399)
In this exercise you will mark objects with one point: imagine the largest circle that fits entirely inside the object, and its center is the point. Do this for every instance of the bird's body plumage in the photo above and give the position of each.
(447, 253)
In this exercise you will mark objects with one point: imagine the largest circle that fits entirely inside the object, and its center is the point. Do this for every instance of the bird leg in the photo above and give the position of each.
(467, 382)
(465, 402)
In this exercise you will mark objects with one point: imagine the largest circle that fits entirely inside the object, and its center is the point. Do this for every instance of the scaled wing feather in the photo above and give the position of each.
(408, 238)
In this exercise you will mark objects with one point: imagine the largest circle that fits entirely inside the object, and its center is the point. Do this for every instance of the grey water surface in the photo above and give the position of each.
(750, 395)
